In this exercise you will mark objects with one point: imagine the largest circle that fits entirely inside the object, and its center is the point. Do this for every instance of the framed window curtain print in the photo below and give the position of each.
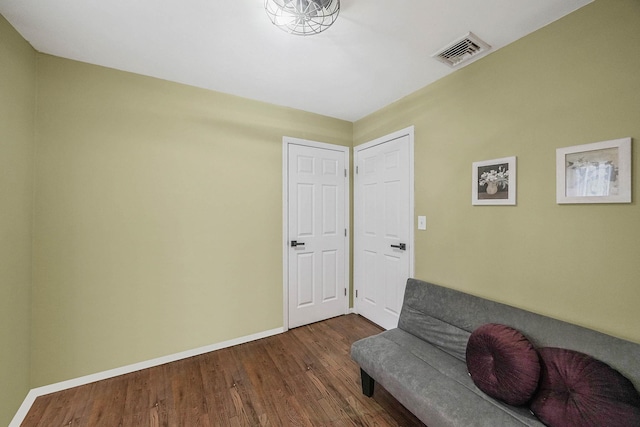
(594, 173)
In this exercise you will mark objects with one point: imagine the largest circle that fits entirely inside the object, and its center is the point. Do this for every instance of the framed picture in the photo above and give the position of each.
(594, 173)
(494, 182)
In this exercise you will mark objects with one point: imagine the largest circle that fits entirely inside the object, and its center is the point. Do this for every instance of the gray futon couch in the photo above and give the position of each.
(422, 362)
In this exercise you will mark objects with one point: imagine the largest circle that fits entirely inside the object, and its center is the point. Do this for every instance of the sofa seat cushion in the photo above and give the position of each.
(503, 363)
(577, 390)
(431, 383)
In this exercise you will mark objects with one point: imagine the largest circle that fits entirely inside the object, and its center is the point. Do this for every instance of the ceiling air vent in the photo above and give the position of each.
(462, 50)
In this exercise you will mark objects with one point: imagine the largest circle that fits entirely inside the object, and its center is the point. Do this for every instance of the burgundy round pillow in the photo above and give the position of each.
(503, 363)
(577, 390)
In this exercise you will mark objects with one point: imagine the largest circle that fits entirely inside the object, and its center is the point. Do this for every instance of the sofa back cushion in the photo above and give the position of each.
(445, 336)
(430, 311)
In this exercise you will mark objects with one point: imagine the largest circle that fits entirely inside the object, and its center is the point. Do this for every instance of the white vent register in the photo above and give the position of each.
(462, 50)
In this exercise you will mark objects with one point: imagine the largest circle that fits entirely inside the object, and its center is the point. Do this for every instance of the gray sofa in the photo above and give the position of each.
(422, 362)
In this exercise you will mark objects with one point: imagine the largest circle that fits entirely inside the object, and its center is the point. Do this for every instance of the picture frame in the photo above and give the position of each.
(493, 182)
(599, 172)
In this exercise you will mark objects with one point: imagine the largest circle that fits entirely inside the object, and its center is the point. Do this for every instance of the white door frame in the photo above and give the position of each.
(286, 141)
(409, 131)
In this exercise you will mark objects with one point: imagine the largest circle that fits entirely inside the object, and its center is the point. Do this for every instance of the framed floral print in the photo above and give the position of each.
(594, 173)
(494, 182)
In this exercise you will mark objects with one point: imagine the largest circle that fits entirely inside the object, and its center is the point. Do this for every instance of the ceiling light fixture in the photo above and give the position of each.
(302, 17)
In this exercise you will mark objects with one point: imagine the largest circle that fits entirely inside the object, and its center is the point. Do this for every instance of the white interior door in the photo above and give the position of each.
(383, 225)
(316, 242)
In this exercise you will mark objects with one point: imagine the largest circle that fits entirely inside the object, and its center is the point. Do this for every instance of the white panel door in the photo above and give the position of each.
(316, 234)
(383, 224)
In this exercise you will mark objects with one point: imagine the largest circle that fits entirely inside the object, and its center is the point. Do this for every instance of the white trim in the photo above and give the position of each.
(285, 237)
(64, 385)
(286, 141)
(409, 131)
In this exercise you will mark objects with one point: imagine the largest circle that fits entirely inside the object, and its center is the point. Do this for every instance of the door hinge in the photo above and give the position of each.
(345, 173)
(356, 293)
(356, 170)
(345, 292)
(345, 232)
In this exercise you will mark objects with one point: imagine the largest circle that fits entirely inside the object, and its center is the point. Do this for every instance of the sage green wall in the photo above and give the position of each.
(573, 82)
(17, 109)
(158, 217)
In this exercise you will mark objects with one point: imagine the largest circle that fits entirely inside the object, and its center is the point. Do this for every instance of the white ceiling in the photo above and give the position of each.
(377, 51)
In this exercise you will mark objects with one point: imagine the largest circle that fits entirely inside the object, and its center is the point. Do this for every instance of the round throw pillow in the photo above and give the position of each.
(503, 363)
(577, 390)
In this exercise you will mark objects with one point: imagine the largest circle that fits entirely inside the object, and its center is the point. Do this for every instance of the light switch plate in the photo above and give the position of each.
(422, 222)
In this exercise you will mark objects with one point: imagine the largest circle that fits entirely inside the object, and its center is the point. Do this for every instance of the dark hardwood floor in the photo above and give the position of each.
(303, 377)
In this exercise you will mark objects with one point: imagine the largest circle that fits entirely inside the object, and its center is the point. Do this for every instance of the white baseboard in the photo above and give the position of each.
(64, 385)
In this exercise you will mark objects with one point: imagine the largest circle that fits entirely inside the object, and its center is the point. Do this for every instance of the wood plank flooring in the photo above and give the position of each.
(304, 377)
